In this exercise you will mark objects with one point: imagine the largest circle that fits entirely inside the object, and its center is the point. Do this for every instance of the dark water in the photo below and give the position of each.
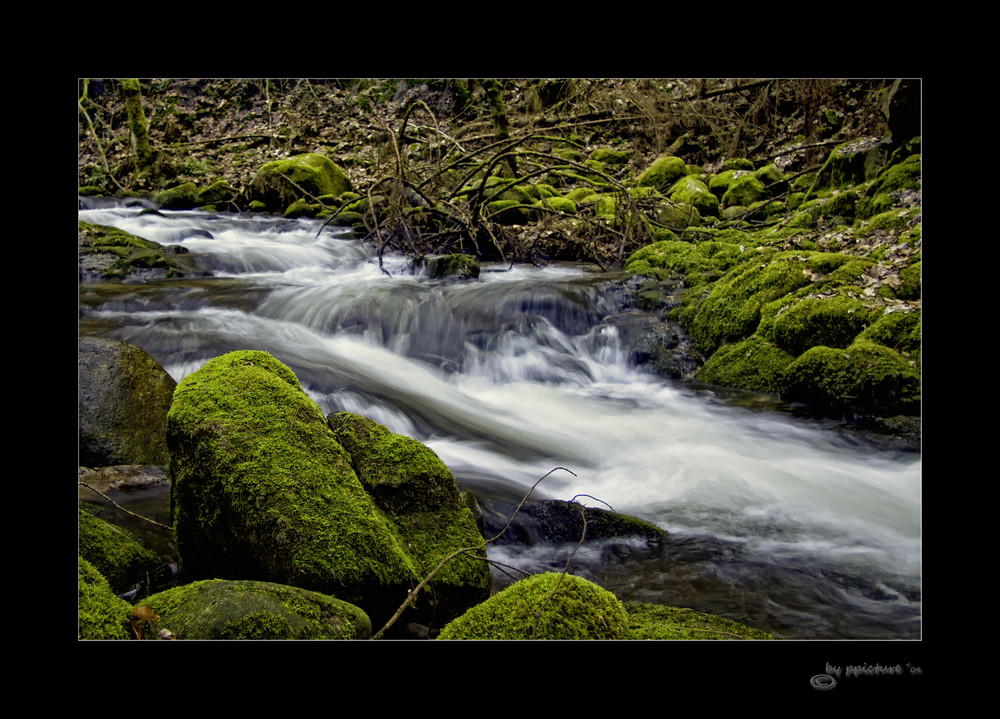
(773, 522)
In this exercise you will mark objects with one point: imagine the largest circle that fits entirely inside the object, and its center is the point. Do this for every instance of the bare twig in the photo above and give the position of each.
(412, 594)
(127, 511)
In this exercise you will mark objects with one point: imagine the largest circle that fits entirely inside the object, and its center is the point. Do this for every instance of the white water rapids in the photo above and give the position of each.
(794, 529)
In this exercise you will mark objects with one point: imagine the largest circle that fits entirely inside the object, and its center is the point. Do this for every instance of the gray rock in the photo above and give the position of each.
(124, 396)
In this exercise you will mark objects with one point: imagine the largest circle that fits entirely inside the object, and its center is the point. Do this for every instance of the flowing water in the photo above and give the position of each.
(773, 522)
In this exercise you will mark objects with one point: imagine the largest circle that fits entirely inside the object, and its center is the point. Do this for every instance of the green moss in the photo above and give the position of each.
(611, 157)
(262, 490)
(664, 172)
(180, 197)
(732, 309)
(116, 554)
(840, 208)
(279, 183)
(769, 175)
(910, 287)
(753, 364)
(698, 263)
(454, 265)
(654, 621)
(895, 219)
(545, 606)
(102, 615)
(410, 483)
(865, 377)
(221, 609)
(560, 204)
(692, 191)
(743, 191)
(832, 321)
(897, 330)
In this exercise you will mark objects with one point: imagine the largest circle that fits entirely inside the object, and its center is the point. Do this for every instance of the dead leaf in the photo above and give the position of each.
(145, 613)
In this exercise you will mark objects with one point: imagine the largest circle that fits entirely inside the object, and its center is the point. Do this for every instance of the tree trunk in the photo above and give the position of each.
(137, 123)
(494, 95)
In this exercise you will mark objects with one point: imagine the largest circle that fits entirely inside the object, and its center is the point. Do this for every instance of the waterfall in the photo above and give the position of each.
(779, 523)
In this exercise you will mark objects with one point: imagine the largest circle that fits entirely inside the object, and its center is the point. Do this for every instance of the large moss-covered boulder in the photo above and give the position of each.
(544, 606)
(224, 609)
(410, 483)
(262, 490)
(102, 615)
(865, 378)
(124, 395)
(280, 183)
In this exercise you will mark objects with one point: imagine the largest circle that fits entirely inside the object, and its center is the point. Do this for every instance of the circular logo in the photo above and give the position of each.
(823, 682)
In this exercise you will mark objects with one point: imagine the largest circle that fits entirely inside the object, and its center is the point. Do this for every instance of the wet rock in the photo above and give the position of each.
(124, 396)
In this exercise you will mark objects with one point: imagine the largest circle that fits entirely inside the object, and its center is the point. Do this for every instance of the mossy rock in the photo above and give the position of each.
(744, 190)
(108, 253)
(840, 209)
(849, 164)
(510, 212)
(102, 615)
(262, 490)
(411, 484)
(698, 263)
(831, 321)
(180, 197)
(890, 220)
(692, 191)
(280, 183)
(910, 282)
(655, 621)
(303, 208)
(770, 175)
(114, 552)
(753, 364)
(738, 163)
(903, 175)
(453, 265)
(559, 204)
(611, 157)
(544, 606)
(732, 310)
(219, 192)
(864, 378)
(223, 609)
(664, 172)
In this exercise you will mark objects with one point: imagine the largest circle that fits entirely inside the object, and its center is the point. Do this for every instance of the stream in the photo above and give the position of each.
(773, 521)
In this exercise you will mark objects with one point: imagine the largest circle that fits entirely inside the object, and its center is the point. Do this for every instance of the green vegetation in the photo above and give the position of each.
(655, 621)
(544, 606)
(119, 557)
(102, 615)
(262, 490)
(221, 609)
